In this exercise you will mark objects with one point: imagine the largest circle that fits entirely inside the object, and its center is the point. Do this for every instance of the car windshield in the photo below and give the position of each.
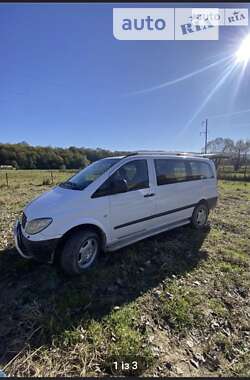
(85, 177)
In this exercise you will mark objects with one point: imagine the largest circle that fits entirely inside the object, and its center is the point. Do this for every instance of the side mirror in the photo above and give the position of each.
(119, 186)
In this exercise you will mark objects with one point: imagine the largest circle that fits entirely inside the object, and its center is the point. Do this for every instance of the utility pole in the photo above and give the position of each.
(205, 133)
(206, 136)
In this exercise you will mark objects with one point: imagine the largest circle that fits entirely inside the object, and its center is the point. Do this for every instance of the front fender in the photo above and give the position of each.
(60, 229)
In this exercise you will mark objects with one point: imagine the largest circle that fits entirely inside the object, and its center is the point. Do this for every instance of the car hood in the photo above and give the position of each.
(53, 202)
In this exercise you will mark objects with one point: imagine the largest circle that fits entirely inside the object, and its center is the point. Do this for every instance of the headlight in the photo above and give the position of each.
(37, 225)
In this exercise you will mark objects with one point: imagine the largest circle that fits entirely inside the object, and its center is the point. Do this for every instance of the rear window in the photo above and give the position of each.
(173, 171)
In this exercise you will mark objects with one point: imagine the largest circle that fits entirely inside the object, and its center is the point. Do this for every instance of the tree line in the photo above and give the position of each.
(238, 151)
(25, 156)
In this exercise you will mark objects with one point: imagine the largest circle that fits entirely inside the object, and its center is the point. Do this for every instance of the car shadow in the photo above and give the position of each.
(38, 302)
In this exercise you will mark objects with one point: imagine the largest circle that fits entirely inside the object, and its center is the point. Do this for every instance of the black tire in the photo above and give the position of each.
(76, 249)
(200, 216)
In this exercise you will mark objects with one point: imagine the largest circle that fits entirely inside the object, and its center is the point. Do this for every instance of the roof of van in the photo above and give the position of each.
(166, 154)
(171, 154)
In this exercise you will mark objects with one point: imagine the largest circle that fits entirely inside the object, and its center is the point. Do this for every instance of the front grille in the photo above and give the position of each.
(23, 220)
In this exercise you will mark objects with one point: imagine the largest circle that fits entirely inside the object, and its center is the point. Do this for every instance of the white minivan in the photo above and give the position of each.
(114, 202)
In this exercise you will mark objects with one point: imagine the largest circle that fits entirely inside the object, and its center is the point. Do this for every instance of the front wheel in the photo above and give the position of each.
(200, 216)
(80, 252)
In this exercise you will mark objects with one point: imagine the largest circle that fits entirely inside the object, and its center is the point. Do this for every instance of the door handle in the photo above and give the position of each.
(149, 195)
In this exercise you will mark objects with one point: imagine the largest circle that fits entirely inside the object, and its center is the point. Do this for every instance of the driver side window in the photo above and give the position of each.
(135, 173)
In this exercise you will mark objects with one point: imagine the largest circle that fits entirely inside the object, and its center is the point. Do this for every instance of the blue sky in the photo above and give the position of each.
(65, 80)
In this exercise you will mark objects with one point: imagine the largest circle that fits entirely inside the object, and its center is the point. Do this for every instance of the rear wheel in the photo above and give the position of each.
(200, 216)
(80, 252)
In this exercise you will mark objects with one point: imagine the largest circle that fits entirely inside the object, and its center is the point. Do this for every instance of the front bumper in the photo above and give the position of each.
(42, 251)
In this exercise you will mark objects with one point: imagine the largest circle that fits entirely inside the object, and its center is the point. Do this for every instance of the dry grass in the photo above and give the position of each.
(179, 303)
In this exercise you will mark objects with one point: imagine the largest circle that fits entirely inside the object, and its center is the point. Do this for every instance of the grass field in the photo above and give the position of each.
(178, 303)
(227, 172)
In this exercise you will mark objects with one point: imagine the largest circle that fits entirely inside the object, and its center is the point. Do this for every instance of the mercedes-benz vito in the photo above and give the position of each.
(114, 202)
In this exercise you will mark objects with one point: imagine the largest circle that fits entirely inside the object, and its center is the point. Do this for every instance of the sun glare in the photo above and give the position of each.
(243, 54)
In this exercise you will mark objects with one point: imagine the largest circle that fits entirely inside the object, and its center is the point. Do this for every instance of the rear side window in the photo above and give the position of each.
(173, 171)
(170, 171)
(200, 170)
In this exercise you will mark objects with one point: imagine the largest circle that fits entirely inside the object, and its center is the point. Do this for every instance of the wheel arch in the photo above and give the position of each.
(81, 227)
(203, 201)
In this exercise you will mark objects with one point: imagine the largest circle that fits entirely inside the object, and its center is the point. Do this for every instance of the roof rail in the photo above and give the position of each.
(171, 153)
(163, 152)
